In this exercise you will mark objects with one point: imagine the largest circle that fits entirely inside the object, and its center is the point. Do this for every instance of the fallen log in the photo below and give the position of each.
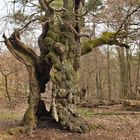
(131, 105)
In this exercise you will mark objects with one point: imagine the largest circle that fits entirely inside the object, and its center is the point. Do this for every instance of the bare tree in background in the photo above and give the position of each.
(6, 72)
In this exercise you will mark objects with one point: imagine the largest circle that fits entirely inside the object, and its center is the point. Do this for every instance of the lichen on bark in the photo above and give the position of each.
(66, 61)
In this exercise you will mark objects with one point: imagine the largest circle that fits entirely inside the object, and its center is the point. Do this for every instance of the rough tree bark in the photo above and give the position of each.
(20, 52)
(60, 49)
(38, 75)
(65, 54)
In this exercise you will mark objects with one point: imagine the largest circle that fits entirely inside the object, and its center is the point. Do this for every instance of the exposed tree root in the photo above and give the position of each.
(16, 130)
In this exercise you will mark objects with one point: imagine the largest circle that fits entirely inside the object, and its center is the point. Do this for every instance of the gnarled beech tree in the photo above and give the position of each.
(59, 61)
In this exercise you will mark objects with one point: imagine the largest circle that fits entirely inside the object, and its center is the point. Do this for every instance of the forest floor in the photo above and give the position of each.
(108, 123)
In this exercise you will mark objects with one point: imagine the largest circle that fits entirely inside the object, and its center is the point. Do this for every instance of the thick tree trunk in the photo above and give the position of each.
(38, 77)
(60, 47)
(38, 71)
(63, 102)
(30, 119)
(64, 52)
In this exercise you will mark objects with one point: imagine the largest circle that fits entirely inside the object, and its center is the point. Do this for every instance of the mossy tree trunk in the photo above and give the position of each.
(38, 71)
(30, 119)
(60, 49)
(65, 52)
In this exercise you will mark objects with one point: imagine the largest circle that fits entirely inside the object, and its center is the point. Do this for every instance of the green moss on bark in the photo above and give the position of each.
(106, 38)
(29, 120)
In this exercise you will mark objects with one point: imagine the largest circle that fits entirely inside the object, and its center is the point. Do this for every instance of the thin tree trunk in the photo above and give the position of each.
(6, 87)
(123, 73)
(6, 83)
(99, 95)
(109, 74)
(130, 94)
(138, 77)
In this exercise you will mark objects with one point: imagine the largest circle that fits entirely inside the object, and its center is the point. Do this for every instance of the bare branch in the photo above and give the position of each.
(26, 25)
(126, 18)
(46, 6)
(43, 5)
(74, 31)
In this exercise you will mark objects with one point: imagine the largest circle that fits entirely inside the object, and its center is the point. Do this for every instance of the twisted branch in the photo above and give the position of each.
(23, 53)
